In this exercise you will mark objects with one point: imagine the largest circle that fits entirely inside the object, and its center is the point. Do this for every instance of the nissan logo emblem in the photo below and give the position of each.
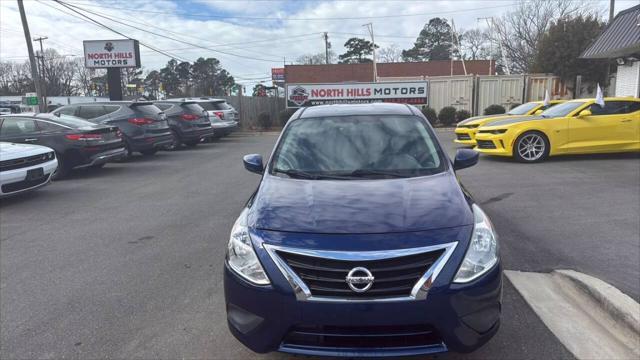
(359, 279)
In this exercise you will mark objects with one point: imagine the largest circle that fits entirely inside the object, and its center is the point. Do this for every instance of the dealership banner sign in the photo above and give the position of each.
(111, 53)
(302, 95)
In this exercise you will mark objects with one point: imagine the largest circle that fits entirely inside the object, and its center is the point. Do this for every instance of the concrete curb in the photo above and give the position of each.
(617, 304)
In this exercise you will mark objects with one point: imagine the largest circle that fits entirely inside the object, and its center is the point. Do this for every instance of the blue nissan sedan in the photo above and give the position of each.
(360, 241)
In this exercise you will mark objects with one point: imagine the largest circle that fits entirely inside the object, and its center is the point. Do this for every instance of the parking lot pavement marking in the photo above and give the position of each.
(578, 319)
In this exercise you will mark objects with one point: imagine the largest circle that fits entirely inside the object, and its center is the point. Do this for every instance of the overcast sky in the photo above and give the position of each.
(251, 36)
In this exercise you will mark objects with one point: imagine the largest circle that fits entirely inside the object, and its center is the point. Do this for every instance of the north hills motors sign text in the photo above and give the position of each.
(111, 53)
(301, 95)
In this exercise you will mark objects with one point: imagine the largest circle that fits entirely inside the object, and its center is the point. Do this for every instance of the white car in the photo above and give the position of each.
(25, 167)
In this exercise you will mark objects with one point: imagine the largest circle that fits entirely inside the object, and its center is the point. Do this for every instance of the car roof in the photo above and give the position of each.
(191, 99)
(356, 109)
(616, 98)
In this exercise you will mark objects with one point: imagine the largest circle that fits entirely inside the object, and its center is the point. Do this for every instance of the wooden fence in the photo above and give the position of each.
(250, 107)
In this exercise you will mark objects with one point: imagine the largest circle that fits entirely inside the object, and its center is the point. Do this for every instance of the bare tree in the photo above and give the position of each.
(389, 54)
(15, 78)
(475, 44)
(519, 31)
(314, 59)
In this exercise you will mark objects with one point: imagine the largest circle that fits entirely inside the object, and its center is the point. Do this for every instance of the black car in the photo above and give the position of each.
(188, 121)
(78, 143)
(143, 125)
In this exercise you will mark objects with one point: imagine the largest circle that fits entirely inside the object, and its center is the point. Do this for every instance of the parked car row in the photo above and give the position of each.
(92, 134)
(580, 126)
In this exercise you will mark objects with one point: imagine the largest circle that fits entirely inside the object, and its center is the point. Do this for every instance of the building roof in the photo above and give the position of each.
(340, 73)
(620, 38)
(356, 109)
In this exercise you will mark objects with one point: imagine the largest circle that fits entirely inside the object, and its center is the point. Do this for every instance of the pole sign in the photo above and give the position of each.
(303, 95)
(277, 74)
(111, 53)
(31, 99)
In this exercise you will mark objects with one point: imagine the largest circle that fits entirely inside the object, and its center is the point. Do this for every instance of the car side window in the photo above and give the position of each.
(91, 111)
(47, 126)
(598, 110)
(67, 110)
(625, 107)
(17, 126)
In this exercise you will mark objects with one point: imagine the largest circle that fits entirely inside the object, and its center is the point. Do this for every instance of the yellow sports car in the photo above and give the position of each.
(576, 127)
(466, 129)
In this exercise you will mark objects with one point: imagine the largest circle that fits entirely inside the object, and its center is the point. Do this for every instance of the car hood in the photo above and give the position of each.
(479, 119)
(10, 151)
(359, 206)
(514, 120)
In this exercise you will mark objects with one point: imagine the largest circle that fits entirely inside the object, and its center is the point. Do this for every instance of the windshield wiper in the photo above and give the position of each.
(300, 174)
(366, 172)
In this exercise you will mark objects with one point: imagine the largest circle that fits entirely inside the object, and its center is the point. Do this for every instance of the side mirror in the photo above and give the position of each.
(538, 112)
(465, 158)
(253, 163)
(585, 112)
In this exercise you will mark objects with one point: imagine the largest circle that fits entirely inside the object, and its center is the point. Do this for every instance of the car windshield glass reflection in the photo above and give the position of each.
(562, 109)
(522, 109)
(357, 147)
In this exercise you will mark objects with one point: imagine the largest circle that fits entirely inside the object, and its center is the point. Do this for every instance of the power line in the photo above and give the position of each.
(167, 37)
(95, 22)
(185, 14)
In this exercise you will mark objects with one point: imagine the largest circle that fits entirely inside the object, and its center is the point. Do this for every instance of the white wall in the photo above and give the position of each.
(628, 80)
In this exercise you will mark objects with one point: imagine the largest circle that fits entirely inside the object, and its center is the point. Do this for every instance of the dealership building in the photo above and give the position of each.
(620, 41)
(340, 73)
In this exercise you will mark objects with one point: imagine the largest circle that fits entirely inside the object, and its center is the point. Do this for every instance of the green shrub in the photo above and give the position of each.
(514, 105)
(494, 109)
(462, 115)
(264, 120)
(447, 115)
(430, 114)
(285, 115)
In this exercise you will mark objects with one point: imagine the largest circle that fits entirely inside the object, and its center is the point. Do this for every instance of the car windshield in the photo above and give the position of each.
(71, 121)
(357, 147)
(523, 109)
(562, 109)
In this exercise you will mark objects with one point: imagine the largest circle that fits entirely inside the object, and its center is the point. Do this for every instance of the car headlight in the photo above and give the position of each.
(241, 257)
(482, 254)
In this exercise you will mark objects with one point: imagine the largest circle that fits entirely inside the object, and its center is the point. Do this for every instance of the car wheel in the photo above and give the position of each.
(63, 169)
(128, 152)
(192, 143)
(530, 147)
(175, 144)
(149, 152)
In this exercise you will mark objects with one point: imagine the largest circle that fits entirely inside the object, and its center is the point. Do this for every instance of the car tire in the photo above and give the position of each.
(192, 143)
(63, 169)
(531, 147)
(176, 143)
(148, 152)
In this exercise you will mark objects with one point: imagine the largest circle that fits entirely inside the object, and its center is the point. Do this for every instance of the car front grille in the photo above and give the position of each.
(24, 184)
(23, 162)
(362, 337)
(393, 276)
(486, 144)
(463, 136)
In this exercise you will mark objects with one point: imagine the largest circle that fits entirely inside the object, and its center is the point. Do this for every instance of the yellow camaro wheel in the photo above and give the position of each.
(532, 146)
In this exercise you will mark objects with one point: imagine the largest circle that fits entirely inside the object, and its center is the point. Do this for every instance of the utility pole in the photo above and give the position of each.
(32, 59)
(326, 47)
(373, 46)
(43, 78)
(612, 6)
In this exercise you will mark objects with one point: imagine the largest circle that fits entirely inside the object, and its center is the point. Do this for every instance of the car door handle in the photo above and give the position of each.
(627, 120)
(31, 140)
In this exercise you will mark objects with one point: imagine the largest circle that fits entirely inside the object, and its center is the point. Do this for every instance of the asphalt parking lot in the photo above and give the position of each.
(126, 261)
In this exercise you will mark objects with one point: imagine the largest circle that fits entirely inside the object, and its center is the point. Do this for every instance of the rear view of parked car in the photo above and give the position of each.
(78, 143)
(224, 118)
(188, 121)
(25, 167)
(144, 127)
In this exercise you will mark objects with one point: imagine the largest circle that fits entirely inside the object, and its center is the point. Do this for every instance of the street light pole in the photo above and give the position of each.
(32, 59)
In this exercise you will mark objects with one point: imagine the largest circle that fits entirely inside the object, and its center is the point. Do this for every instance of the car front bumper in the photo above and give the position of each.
(13, 182)
(493, 144)
(465, 136)
(459, 317)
